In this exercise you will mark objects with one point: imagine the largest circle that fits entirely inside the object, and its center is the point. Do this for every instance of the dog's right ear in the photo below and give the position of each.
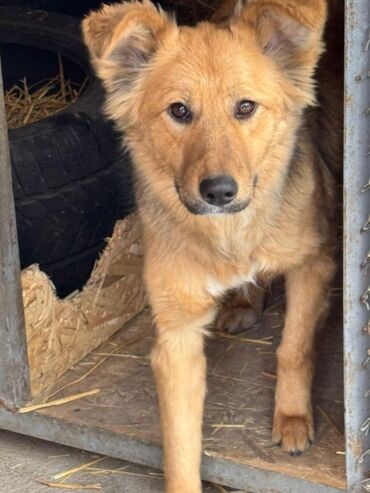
(289, 32)
(122, 39)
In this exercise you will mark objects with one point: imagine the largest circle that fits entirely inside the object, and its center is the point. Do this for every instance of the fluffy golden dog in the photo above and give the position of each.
(234, 187)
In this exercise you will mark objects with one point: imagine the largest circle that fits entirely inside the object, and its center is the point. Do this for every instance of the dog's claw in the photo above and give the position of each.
(293, 433)
(295, 453)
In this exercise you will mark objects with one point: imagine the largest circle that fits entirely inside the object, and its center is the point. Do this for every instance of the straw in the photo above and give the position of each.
(246, 340)
(70, 486)
(25, 104)
(57, 402)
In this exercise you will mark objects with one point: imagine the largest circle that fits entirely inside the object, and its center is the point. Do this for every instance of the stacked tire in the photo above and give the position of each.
(71, 180)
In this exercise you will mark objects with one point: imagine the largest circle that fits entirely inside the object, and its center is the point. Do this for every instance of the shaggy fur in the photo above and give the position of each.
(280, 223)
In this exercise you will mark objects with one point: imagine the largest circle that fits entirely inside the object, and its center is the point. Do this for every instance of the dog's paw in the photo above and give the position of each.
(234, 319)
(294, 434)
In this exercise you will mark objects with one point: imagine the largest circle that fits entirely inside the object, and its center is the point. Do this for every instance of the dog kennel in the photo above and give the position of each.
(105, 402)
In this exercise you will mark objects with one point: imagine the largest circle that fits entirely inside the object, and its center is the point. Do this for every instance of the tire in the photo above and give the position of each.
(70, 181)
(69, 7)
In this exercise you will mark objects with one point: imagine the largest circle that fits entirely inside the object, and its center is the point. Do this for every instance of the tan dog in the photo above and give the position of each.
(231, 187)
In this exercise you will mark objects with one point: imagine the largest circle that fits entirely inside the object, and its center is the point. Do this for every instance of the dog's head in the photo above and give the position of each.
(209, 113)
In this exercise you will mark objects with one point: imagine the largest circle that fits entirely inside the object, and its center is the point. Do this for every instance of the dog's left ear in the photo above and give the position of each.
(122, 39)
(289, 31)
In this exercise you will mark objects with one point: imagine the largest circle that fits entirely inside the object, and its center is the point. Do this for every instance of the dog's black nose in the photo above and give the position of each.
(219, 191)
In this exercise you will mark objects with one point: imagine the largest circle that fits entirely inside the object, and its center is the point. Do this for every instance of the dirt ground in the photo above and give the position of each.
(26, 462)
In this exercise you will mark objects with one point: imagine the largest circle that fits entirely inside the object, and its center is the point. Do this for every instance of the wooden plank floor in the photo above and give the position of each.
(241, 386)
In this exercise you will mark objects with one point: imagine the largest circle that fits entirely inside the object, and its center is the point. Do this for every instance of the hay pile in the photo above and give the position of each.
(26, 104)
(61, 332)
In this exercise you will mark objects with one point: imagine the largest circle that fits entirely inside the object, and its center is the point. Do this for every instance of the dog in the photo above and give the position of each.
(235, 186)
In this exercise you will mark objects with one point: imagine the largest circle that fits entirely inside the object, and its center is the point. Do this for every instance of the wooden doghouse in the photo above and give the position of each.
(52, 352)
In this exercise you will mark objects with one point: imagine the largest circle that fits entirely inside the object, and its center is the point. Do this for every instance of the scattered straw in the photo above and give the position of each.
(210, 453)
(219, 426)
(132, 356)
(61, 74)
(97, 471)
(74, 470)
(70, 486)
(246, 340)
(26, 104)
(57, 402)
(269, 375)
(100, 362)
(274, 309)
(94, 471)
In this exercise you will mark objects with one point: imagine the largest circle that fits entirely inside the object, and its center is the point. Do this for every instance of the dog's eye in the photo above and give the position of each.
(180, 112)
(245, 109)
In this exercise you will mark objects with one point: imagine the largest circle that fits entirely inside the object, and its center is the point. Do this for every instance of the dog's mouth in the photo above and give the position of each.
(203, 209)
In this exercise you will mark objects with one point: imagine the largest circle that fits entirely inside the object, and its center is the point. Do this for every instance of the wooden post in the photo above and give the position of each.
(14, 372)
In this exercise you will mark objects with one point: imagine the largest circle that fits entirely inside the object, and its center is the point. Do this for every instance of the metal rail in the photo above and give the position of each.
(357, 240)
(14, 376)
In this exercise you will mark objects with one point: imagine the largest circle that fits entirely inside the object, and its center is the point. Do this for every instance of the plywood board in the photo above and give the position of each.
(60, 332)
(240, 391)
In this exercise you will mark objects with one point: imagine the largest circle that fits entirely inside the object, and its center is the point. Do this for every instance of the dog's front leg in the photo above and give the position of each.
(179, 367)
(306, 288)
